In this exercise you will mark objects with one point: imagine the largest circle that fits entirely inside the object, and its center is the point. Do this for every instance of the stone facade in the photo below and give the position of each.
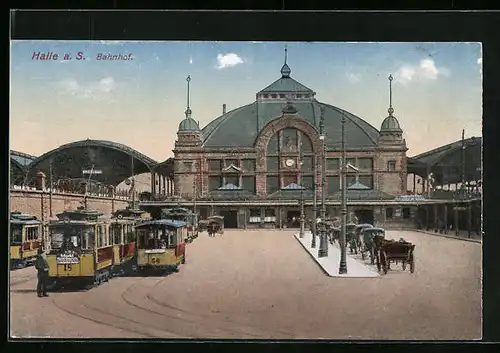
(37, 203)
(191, 173)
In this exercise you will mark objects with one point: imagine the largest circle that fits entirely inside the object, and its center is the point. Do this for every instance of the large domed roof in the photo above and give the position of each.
(240, 127)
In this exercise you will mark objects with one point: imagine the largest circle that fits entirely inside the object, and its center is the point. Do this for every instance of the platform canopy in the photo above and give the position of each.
(166, 168)
(446, 162)
(19, 163)
(110, 162)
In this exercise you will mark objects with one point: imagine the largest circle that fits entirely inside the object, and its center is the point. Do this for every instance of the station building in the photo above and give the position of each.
(254, 163)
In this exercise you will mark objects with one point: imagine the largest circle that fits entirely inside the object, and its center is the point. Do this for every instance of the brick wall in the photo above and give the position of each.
(33, 202)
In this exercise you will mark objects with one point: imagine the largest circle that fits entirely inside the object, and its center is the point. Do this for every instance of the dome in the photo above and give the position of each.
(390, 124)
(241, 127)
(189, 124)
(285, 71)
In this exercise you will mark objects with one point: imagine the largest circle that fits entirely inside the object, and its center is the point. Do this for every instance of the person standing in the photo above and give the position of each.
(42, 267)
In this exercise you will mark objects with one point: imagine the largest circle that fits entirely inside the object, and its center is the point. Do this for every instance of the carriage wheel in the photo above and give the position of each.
(412, 265)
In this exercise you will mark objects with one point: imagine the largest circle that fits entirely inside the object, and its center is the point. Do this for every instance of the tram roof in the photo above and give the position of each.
(25, 222)
(163, 222)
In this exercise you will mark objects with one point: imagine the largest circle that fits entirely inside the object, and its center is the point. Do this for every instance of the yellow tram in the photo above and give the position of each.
(161, 244)
(122, 229)
(185, 215)
(26, 233)
(81, 248)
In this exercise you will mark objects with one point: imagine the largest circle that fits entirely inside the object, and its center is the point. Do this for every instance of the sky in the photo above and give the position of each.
(437, 88)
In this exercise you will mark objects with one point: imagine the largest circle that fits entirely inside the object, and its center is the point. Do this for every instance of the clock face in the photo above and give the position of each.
(289, 162)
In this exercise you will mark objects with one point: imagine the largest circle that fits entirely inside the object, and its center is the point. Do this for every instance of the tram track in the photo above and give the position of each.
(197, 322)
(207, 319)
(125, 324)
(85, 317)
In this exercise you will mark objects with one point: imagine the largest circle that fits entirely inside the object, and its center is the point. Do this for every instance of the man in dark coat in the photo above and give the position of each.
(42, 267)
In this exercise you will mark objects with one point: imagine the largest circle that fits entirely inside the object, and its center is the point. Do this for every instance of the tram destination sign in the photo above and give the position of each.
(91, 171)
(65, 259)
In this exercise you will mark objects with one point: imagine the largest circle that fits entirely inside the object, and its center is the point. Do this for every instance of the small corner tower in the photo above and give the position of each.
(390, 131)
(188, 134)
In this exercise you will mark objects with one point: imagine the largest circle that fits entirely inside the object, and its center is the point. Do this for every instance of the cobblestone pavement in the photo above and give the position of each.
(263, 284)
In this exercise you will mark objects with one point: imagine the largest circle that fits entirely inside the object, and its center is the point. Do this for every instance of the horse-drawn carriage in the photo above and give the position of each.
(369, 246)
(215, 225)
(394, 251)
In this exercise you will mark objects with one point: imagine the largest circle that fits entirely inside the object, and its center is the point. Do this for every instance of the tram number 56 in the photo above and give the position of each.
(67, 267)
(155, 260)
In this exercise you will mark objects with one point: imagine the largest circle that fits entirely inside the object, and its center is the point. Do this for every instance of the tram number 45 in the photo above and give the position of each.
(155, 260)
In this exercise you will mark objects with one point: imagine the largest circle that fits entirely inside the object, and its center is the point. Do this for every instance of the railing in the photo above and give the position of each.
(122, 195)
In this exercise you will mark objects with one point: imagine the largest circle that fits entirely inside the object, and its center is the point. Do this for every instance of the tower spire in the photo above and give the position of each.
(391, 109)
(188, 109)
(285, 69)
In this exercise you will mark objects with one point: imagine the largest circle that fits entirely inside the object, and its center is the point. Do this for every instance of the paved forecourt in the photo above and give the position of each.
(263, 284)
(330, 264)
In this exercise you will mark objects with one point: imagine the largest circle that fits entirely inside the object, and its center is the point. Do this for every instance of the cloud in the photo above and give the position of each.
(426, 70)
(353, 78)
(480, 63)
(190, 60)
(228, 60)
(92, 90)
(107, 84)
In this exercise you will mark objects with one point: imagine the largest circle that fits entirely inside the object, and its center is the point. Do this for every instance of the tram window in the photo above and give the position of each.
(57, 238)
(87, 239)
(99, 236)
(117, 232)
(15, 234)
(171, 238)
(105, 235)
(35, 233)
(31, 234)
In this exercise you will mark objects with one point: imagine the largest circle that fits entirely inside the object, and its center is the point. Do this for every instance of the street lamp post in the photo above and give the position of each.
(323, 243)
(343, 262)
(302, 220)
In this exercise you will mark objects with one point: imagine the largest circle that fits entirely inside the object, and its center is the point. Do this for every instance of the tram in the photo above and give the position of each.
(81, 248)
(26, 234)
(122, 229)
(161, 244)
(185, 215)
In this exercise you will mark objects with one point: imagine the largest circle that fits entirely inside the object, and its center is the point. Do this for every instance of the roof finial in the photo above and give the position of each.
(285, 69)
(391, 109)
(188, 109)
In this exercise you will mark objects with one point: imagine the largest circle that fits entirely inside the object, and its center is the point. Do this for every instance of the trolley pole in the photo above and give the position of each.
(323, 242)
(302, 216)
(343, 262)
(133, 183)
(315, 206)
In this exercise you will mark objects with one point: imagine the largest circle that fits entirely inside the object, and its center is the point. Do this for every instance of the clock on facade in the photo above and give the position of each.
(289, 162)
